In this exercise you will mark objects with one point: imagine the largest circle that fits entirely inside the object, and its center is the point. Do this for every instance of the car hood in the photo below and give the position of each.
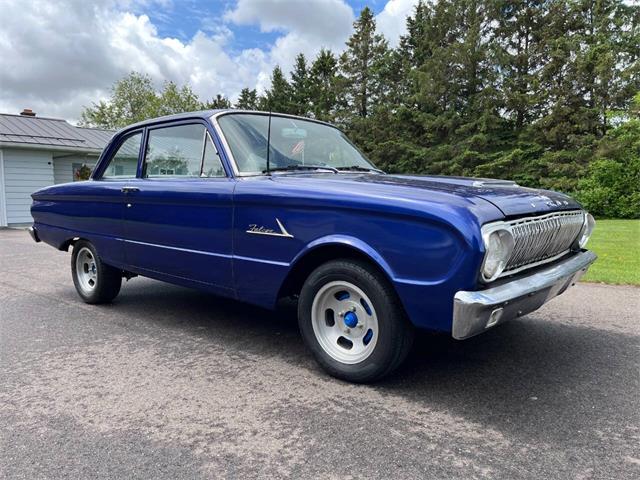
(509, 197)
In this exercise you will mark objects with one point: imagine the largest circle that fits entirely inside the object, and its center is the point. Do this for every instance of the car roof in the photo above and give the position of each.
(206, 114)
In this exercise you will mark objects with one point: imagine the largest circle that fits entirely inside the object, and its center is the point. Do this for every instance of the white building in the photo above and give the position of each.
(36, 152)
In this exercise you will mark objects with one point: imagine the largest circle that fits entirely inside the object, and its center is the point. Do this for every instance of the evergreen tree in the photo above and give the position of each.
(519, 54)
(278, 97)
(248, 99)
(219, 102)
(300, 86)
(361, 65)
(606, 58)
(324, 88)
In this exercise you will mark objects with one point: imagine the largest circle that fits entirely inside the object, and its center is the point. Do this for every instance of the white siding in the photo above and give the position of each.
(25, 171)
(63, 167)
(3, 206)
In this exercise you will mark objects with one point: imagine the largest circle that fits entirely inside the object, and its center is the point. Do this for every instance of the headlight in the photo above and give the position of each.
(498, 244)
(587, 230)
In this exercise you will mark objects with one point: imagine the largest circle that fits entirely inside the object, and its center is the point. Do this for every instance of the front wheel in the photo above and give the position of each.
(352, 321)
(95, 281)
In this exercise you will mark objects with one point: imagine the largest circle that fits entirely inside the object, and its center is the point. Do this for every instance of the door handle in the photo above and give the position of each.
(130, 189)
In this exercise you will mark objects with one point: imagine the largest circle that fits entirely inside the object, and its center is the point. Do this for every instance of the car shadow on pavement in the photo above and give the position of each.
(532, 377)
(543, 379)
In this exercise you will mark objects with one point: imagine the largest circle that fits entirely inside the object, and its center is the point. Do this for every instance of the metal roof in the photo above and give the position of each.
(41, 131)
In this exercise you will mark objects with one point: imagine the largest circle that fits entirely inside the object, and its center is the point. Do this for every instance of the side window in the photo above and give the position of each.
(181, 151)
(174, 151)
(124, 164)
(211, 165)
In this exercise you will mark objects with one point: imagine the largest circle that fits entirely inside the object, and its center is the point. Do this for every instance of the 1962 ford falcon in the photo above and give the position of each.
(257, 207)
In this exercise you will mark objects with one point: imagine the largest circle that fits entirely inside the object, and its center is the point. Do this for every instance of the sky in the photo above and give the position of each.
(57, 57)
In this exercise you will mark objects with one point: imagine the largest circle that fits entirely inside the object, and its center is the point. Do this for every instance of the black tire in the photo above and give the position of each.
(395, 335)
(107, 279)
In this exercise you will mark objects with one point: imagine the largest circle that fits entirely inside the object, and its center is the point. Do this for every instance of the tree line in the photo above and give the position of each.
(544, 92)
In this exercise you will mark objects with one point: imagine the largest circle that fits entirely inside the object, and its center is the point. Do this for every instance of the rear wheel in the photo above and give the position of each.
(95, 281)
(352, 321)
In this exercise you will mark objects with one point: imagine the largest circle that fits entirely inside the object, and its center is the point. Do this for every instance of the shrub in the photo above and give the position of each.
(611, 188)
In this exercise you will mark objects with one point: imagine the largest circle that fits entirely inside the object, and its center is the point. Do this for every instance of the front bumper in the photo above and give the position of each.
(475, 312)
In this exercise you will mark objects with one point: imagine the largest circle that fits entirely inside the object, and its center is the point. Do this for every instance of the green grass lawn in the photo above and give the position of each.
(617, 244)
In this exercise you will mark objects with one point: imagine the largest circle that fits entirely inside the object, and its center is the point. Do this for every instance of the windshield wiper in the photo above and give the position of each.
(292, 168)
(359, 168)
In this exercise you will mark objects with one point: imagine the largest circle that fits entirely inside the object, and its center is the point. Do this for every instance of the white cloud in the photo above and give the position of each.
(392, 20)
(307, 26)
(295, 15)
(57, 57)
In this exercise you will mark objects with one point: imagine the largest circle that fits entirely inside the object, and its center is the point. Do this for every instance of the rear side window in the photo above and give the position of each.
(124, 164)
(181, 151)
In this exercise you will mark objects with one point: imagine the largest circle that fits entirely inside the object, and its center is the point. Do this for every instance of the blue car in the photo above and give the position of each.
(258, 207)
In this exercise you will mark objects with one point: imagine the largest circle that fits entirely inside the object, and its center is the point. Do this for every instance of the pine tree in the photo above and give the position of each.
(300, 86)
(278, 97)
(606, 59)
(519, 54)
(219, 102)
(324, 88)
(361, 64)
(248, 99)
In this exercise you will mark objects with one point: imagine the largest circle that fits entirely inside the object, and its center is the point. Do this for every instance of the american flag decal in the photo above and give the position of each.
(298, 148)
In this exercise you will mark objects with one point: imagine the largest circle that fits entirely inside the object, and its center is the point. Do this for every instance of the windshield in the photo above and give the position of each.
(294, 143)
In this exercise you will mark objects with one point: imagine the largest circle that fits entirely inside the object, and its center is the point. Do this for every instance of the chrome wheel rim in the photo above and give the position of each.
(344, 322)
(86, 270)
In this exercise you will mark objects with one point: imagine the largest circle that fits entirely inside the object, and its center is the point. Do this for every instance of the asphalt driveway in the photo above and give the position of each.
(172, 383)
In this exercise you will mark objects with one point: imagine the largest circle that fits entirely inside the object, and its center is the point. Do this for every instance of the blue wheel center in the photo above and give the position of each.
(350, 319)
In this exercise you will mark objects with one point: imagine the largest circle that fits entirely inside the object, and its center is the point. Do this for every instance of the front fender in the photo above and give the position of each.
(346, 241)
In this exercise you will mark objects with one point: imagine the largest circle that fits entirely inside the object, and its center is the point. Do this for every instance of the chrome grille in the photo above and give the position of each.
(540, 239)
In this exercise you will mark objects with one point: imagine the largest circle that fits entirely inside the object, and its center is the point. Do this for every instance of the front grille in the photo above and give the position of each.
(541, 239)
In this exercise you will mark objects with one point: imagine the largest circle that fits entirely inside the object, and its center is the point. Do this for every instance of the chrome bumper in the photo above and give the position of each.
(475, 312)
(34, 234)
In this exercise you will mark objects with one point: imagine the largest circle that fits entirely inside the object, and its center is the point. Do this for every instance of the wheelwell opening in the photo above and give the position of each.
(68, 243)
(312, 260)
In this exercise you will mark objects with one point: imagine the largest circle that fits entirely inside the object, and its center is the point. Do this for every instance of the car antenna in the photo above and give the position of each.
(268, 138)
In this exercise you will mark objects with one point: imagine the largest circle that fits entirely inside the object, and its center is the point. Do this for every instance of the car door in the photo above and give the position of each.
(178, 212)
(101, 216)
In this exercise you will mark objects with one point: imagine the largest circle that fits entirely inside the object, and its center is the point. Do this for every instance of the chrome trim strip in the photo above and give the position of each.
(179, 249)
(494, 183)
(259, 260)
(472, 310)
(225, 144)
(201, 252)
